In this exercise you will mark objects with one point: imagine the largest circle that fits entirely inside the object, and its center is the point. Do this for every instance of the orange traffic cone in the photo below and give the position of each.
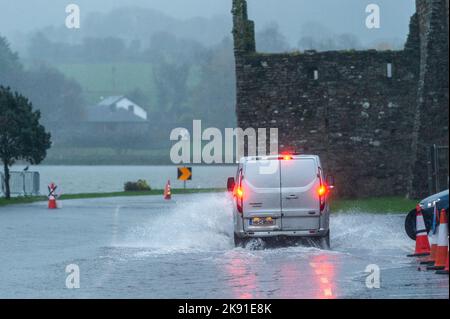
(422, 243)
(167, 191)
(433, 240)
(52, 196)
(445, 271)
(442, 248)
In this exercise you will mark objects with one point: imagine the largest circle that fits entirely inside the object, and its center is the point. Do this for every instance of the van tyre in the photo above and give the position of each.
(239, 242)
(324, 242)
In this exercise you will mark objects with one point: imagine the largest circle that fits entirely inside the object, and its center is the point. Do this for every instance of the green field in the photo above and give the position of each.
(374, 205)
(101, 80)
(105, 79)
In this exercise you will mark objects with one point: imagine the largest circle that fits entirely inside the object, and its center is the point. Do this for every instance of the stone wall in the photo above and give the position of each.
(356, 109)
(431, 121)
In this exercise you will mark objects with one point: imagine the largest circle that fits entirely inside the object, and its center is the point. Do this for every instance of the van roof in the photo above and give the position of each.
(272, 157)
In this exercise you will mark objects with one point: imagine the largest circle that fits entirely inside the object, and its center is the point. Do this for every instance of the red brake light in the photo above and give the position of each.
(322, 190)
(286, 157)
(239, 193)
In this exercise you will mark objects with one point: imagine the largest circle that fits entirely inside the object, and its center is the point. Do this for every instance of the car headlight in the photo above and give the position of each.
(429, 204)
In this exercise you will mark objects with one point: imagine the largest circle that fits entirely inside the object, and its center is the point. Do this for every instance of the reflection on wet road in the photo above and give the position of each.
(148, 248)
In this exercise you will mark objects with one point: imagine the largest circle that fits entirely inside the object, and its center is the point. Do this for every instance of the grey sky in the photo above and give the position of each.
(339, 16)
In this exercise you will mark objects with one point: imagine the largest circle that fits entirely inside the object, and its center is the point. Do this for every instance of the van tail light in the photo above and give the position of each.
(239, 193)
(240, 200)
(322, 192)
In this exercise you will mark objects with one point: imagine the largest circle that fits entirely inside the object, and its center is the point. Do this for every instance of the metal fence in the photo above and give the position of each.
(22, 183)
(438, 163)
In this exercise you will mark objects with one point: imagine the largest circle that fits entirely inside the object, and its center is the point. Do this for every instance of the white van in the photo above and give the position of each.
(282, 196)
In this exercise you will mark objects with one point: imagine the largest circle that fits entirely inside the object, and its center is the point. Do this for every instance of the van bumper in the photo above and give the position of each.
(292, 233)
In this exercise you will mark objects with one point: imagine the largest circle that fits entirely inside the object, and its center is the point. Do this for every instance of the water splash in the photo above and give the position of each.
(375, 232)
(205, 223)
(202, 223)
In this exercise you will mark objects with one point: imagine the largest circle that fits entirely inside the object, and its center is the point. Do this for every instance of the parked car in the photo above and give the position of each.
(281, 197)
(427, 205)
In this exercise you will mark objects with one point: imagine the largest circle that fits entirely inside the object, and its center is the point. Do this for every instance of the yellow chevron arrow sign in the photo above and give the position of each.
(184, 173)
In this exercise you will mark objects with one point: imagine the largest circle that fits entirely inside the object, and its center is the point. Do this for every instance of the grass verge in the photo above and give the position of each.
(374, 205)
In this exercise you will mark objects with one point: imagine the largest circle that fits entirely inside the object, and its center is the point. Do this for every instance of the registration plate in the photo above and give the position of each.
(262, 221)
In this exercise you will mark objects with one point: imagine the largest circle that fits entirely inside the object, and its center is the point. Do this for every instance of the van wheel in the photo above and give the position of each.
(238, 241)
(324, 242)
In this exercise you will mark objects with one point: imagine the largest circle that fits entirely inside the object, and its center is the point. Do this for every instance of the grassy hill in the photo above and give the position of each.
(106, 79)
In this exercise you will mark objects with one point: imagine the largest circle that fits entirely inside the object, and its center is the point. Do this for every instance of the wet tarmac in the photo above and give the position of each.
(145, 247)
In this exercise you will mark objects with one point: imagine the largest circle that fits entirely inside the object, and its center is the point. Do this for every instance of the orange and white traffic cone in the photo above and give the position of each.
(442, 248)
(430, 260)
(445, 271)
(168, 191)
(52, 196)
(422, 243)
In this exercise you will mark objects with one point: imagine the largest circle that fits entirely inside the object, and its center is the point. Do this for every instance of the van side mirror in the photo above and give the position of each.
(330, 181)
(230, 184)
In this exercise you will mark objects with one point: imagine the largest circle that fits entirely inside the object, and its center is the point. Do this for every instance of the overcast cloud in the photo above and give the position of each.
(341, 16)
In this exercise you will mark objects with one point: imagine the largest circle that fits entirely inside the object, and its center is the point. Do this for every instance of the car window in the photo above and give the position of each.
(298, 173)
(263, 173)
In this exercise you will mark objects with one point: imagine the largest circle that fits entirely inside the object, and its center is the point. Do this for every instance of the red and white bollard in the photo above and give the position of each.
(52, 196)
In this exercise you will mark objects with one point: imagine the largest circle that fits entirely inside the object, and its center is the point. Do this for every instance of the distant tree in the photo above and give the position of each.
(387, 44)
(213, 98)
(59, 99)
(171, 82)
(40, 48)
(109, 49)
(307, 43)
(22, 137)
(315, 36)
(164, 46)
(271, 40)
(10, 66)
(347, 41)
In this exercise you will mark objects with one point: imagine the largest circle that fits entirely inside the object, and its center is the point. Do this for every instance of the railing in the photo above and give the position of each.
(22, 183)
(438, 168)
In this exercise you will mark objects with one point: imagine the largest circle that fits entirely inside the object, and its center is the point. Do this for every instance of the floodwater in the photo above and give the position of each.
(150, 248)
(79, 179)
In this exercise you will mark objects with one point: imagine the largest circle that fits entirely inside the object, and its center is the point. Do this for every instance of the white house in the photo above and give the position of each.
(116, 109)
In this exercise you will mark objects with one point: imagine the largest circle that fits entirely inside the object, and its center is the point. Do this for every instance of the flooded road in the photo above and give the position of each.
(145, 247)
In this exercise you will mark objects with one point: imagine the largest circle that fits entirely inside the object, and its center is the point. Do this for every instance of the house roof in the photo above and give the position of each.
(111, 100)
(107, 112)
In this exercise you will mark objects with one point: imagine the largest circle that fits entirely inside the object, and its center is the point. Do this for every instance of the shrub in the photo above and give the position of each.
(139, 186)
